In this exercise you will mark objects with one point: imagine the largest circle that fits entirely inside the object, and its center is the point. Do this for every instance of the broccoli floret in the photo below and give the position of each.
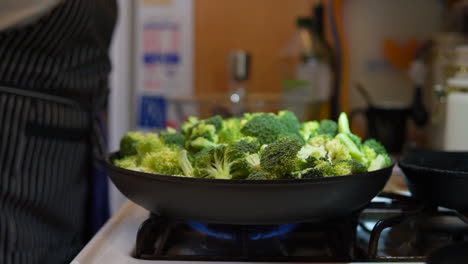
(308, 173)
(172, 137)
(258, 175)
(202, 136)
(185, 163)
(292, 135)
(150, 143)
(129, 162)
(308, 129)
(207, 131)
(378, 163)
(348, 167)
(309, 150)
(337, 150)
(215, 163)
(202, 143)
(230, 131)
(308, 154)
(246, 145)
(378, 148)
(280, 157)
(318, 141)
(246, 165)
(356, 140)
(265, 127)
(216, 121)
(327, 127)
(309, 162)
(290, 121)
(188, 125)
(128, 143)
(164, 161)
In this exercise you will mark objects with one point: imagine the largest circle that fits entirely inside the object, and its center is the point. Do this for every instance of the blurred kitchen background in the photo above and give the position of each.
(397, 67)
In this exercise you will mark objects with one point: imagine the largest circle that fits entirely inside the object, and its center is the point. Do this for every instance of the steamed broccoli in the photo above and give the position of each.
(343, 124)
(164, 161)
(149, 143)
(290, 121)
(308, 154)
(185, 163)
(201, 143)
(352, 148)
(246, 145)
(172, 137)
(344, 128)
(327, 127)
(308, 128)
(309, 173)
(347, 167)
(258, 175)
(188, 125)
(128, 162)
(128, 143)
(378, 163)
(318, 141)
(216, 121)
(202, 136)
(245, 165)
(280, 157)
(258, 146)
(337, 150)
(309, 150)
(378, 148)
(215, 163)
(265, 127)
(230, 131)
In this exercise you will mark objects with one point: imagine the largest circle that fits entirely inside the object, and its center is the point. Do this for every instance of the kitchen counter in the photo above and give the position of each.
(115, 242)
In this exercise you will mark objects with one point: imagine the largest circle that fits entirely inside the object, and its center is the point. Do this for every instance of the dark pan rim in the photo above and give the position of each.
(404, 164)
(193, 180)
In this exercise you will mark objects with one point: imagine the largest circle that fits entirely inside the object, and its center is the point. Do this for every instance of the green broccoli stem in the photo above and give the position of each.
(378, 163)
(343, 123)
(221, 167)
(353, 149)
(185, 164)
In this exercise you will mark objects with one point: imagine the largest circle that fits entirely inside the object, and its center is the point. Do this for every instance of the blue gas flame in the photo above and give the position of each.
(254, 233)
(280, 230)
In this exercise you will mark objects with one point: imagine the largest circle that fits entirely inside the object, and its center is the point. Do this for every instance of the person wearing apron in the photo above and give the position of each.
(53, 82)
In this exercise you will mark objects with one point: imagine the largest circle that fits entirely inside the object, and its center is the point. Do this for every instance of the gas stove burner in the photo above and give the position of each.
(257, 232)
(163, 239)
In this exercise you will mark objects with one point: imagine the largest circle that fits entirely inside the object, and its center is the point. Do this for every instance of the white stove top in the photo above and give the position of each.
(115, 242)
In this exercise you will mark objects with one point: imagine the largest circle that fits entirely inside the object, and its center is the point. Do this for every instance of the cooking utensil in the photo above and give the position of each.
(248, 201)
(387, 124)
(452, 254)
(438, 178)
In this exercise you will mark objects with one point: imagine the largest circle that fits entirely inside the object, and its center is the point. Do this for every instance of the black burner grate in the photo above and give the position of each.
(400, 231)
(160, 239)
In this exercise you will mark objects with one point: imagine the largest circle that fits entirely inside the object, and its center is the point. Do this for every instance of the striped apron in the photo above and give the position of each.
(53, 78)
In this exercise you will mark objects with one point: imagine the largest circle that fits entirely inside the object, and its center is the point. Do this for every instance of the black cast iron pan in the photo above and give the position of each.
(438, 178)
(452, 254)
(248, 201)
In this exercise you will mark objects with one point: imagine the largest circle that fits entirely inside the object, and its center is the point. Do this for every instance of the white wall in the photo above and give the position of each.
(120, 82)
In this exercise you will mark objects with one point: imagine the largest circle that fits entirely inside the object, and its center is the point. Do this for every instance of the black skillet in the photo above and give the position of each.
(438, 178)
(452, 254)
(248, 201)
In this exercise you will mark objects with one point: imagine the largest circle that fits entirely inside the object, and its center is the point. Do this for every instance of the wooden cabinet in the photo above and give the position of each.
(261, 27)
